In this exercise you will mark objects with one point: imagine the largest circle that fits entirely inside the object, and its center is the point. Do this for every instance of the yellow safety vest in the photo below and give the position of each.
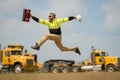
(55, 24)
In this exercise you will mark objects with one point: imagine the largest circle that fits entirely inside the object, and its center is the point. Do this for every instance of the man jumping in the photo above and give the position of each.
(54, 26)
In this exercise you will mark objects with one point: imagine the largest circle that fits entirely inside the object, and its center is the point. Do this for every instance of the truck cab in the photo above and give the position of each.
(97, 56)
(100, 57)
(13, 59)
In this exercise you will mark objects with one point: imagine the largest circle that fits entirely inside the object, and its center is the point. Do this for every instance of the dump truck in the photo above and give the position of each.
(12, 58)
(100, 60)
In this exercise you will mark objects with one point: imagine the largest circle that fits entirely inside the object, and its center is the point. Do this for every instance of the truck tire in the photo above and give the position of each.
(65, 70)
(75, 69)
(18, 69)
(55, 69)
(110, 68)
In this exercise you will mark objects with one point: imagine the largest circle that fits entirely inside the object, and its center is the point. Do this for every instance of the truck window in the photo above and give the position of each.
(103, 54)
(11, 46)
(16, 53)
(7, 54)
(97, 54)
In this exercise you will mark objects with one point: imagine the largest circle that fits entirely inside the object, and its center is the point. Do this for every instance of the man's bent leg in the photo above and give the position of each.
(40, 43)
(43, 40)
(47, 37)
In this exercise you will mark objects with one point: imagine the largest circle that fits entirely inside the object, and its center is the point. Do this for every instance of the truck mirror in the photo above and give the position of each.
(107, 53)
(25, 50)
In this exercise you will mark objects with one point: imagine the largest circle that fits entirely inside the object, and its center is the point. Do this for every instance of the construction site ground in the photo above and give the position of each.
(62, 76)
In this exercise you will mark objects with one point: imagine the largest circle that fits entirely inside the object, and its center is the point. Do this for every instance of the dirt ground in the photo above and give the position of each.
(62, 76)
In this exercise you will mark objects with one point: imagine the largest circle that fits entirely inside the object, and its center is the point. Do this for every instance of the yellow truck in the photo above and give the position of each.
(14, 59)
(99, 61)
(109, 63)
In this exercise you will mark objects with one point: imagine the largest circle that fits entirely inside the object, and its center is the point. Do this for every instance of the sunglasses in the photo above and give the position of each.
(50, 16)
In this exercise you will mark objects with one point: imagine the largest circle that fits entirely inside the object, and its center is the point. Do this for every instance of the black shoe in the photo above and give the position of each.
(36, 47)
(77, 51)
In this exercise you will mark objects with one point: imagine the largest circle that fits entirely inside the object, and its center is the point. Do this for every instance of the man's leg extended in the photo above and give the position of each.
(63, 48)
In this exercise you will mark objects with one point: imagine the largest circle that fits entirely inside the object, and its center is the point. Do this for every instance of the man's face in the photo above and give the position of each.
(51, 17)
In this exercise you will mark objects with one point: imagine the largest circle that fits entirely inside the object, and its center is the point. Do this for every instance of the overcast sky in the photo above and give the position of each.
(100, 26)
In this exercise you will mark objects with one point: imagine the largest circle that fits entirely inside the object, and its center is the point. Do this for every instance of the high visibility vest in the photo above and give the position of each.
(55, 24)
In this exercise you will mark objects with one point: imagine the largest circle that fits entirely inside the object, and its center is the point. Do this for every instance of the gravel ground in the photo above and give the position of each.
(62, 76)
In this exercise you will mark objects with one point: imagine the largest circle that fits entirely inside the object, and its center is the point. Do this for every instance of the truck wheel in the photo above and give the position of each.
(110, 68)
(18, 69)
(65, 70)
(55, 70)
(75, 69)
